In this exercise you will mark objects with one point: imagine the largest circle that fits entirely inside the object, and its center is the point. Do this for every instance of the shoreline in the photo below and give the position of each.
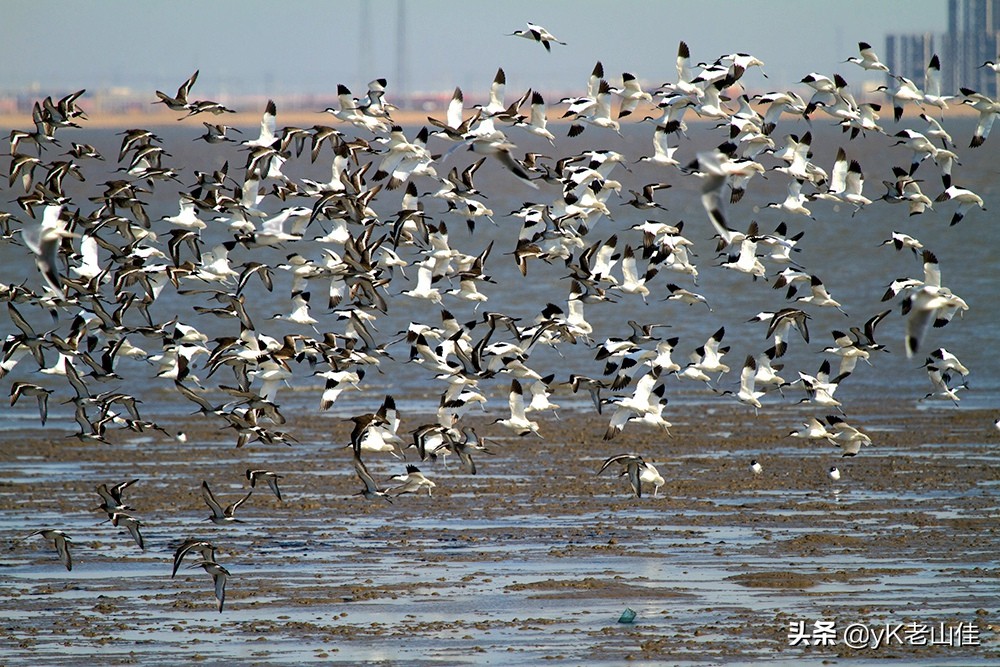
(405, 117)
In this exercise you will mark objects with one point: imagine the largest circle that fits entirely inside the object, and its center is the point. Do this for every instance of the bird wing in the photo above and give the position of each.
(210, 500)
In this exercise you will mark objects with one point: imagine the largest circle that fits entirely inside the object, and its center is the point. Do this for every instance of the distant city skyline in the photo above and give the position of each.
(250, 47)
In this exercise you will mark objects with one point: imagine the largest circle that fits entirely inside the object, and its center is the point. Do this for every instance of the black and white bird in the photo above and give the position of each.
(538, 34)
(220, 576)
(637, 470)
(204, 548)
(413, 481)
(372, 489)
(61, 541)
(220, 515)
(270, 477)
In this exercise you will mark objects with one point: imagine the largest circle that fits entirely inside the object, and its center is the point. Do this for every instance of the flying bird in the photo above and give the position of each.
(538, 34)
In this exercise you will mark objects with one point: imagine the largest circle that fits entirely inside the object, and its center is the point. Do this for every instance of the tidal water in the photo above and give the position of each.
(841, 247)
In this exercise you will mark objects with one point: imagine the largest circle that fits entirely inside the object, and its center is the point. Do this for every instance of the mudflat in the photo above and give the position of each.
(534, 558)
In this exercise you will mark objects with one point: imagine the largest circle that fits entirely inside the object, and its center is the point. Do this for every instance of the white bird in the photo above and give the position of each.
(867, 59)
(928, 303)
(746, 260)
(848, 438)
(813, 429)
(632, 282)
(713, 180)
(46, 244)
(663, 153)
(780, 103)
(518, 422)
(988, 110)
(748, 393)
(941, 381)
(412, 482)
(187, 217)
(598, 114)
(268, 128)
(932, 85)
(425, 279)
(854, 186)
(632, 94)
(946, 361)
(795, 201)
(685, 84)
(819, 296)
(820, 388)
(848, 350)
(967, 200)
(899, 241)
(537, 122)
(455, 126)
(904, 91)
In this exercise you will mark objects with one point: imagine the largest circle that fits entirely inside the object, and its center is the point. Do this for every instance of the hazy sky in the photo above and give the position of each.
(274, 48)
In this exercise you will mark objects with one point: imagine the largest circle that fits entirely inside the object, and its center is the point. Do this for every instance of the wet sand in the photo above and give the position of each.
(532, 560)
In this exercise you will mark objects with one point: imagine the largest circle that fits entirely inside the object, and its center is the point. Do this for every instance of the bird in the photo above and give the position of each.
(848, 438)
(632, 94)
(219, 515)
(967, 200)
(131, 523)
(372, 490)
(111, 497)
(819, 296)
(41, 394)
(45, 246)
(270, 477)
(411, 482)
(518, 422)
(203, 547)
(813, 429)
(220, 576)
(61, 541)
(755, 467)
(538, 34)
(638, 471)
(597, 114)
(179, 102)
(867, 58)
(537, 124)
(577, 382)
(903, 91)
(268, 128)
(988, 110)
(834, 473)
(748, 393)
(928, 303)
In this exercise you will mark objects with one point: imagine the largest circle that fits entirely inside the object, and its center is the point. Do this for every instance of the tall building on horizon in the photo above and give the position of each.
(971, 37)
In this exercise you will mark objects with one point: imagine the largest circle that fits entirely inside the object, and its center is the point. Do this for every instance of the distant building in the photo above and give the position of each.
(972, 37)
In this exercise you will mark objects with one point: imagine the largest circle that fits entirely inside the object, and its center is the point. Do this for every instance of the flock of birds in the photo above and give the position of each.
(103, 264)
